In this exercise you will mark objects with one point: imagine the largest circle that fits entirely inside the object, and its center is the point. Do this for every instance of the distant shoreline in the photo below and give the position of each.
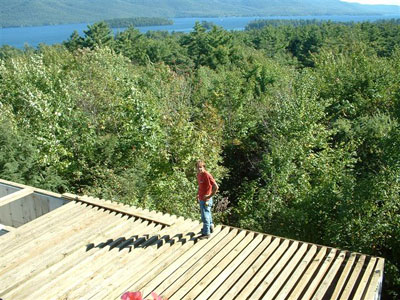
(209, 17)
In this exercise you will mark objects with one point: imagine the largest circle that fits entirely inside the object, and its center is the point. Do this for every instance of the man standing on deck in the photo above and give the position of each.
(207, 189)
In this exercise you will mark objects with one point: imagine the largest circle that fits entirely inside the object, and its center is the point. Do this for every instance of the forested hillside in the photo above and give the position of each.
(299, 124)
(44, 12)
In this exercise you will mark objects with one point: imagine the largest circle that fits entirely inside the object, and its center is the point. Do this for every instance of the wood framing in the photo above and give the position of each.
(90, 248)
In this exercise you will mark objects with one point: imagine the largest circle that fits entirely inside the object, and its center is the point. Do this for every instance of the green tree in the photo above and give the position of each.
(98, 35)
(74, 42)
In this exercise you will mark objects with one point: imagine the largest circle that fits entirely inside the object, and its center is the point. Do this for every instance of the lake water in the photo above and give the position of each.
(33, 36)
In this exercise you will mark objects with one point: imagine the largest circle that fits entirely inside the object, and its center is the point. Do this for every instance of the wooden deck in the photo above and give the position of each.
(95, 249)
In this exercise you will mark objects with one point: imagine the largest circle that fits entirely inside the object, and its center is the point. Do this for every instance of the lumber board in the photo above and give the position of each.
(330, 276)
(376, 280)
(321, 273)
(114, 272)
(204, 265)
(242, 265)
(116, 207)
(307, 276)
(272, 275)
(88, 266)
(206, 286)
(259, 276)
(141, 256)
(193, 264)
(353, 278)
(15, 196)
(37, 227)
(364, 280)
(138, 257)
(343, 277)
(22, 186)
(91, 248)
(297, 273)
(5, 215)
(157, 262)
(21, 243)
(16, 212)
(29, 209)
(68, 259)
(177, 268)
(253, 269)
(277, 284)
(217, 283)
(30, 263)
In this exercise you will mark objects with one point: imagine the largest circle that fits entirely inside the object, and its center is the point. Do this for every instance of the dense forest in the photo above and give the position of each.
(49, 12)
(299, 123)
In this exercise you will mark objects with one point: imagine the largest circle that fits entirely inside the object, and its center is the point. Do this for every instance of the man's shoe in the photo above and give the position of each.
(204, 236)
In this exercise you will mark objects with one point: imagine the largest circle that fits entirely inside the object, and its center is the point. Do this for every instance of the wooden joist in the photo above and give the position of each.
(129, 210)
(95, 249)
(15, 196)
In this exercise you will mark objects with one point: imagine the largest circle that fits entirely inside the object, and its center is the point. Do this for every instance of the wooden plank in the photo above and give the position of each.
(330, 276)
(308, 275)
(297, 273)
(350, 285)
(209, 284)
(28, 262)
(228, 283)
(362, 286)
(109, 266)
(116, 207)
(192, 264)
(375, 285)
(15, 196)
(83, 263)
(253, 269)
(36, 190)
(16, 264)
(202, 267)
(76, 257)
(157, 262)
(37, 227)
(216, 286)
(343, 277)
(177, 268)
(92, 279)
(321, 274)
(276, 285)
(260, 275)
(278, 267)
(64, 260)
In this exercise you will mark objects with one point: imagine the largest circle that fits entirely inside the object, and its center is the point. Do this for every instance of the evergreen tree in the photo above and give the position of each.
(98, 35)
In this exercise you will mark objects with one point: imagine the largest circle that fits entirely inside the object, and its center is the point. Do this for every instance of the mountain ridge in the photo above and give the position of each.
(51, 12)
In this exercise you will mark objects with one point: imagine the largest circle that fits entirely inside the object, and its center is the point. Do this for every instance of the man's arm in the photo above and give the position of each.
(214, 190)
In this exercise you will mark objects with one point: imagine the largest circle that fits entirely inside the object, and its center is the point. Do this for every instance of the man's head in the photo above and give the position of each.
(200, 166)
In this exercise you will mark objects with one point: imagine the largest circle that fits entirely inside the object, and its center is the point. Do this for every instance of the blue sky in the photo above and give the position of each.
(389, 2)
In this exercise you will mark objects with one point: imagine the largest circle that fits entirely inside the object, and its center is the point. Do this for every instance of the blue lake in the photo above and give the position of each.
(33, 36)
